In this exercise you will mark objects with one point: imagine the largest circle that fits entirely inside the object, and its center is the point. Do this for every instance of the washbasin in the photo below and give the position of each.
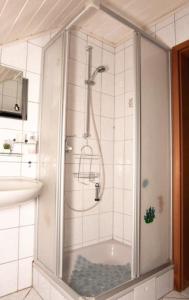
(15, 190)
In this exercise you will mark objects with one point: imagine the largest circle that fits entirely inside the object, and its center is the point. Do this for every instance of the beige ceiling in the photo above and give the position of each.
(24, 18)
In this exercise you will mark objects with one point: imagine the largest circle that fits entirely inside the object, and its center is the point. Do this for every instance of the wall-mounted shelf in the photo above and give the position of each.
(10, 154)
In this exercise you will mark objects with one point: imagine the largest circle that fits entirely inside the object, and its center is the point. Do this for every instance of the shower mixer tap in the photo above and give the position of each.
(97, 191)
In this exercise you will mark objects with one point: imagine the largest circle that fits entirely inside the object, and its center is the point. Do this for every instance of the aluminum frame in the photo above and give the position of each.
(136, 253)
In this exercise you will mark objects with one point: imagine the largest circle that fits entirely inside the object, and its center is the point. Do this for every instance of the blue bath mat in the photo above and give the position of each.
(89, 279)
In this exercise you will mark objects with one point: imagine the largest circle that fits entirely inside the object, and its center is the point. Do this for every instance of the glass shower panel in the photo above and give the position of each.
(49, 153)
(155, 157)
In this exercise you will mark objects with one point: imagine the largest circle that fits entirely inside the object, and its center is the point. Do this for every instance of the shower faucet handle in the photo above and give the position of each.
(97, 191)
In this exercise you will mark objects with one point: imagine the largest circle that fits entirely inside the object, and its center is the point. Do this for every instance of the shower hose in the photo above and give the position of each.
(102, 163)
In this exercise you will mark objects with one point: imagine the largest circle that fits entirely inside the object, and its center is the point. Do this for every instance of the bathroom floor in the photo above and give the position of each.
(27, 294)
(179, 296)
(30, 294)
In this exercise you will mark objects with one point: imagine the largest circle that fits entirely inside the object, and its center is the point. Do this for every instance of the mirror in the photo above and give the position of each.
(13, 93)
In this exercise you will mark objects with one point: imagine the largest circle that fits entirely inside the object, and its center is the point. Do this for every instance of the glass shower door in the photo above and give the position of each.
(155, 157)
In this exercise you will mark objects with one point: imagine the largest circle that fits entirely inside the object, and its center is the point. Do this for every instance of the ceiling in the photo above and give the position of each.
(20, 19)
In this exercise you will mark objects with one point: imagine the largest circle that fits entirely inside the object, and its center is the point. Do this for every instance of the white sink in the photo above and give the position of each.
(14, 190)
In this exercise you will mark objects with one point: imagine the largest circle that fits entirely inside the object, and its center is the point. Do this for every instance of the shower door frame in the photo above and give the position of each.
(137, 163)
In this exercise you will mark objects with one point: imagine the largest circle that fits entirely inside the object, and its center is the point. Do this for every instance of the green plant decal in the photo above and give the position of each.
(150, 215)
(7, 146)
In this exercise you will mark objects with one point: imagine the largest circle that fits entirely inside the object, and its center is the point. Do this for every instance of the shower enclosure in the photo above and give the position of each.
(104, 217)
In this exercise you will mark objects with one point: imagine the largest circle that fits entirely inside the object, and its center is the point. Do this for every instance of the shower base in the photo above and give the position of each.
(108, 262)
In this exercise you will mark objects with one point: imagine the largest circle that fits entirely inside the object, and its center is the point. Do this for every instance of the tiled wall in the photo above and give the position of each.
(95, 225)
(113, 100)
(123, 142)
(173, 29)
(17, 223)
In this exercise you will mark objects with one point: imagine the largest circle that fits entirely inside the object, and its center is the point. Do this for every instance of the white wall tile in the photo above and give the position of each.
(9, 245)
(107, 106)
(75, 123)
(118, 200)
(119, 129)
(181, 12)
(128, 159)
(108, 61)
(26, 57)
(107, 129)
(128, 177)
(88, 201)
(109, 179)
(8, 276)
(119, 106)
(75, 199)
(119, 84)
(9, 218)
(34, 59)
(27, 213)
(10, 124)
(129, 127)
(90, 228)
(8, 169)
(73, 233)
(182, 29)
(29, 170)
(106, 225)
(96, 52)
(107, 150)
(26, 241)
(129, 57)
(164, 22)
(78, 49)
(118, 225)
(33, 117)
(167, 35)
(76, 98)
(15, 55)
(118, 176)
(77, 73)
(128, 229)
(33, 86)
(108, 83)
(119, 152)
(129, 103)
(106, 204)
(96, 98)
(128, 202)
(119, 62)
(129, 80)
(25, 273)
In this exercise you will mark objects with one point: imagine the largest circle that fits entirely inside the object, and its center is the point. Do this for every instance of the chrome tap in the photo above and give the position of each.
(97, 191)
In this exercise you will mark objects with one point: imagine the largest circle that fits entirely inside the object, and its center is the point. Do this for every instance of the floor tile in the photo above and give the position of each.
(17, 296)
(27, 294)
(33, 296)
(175, 294)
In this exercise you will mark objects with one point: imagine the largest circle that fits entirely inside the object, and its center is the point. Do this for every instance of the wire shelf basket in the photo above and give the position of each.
(86, 174)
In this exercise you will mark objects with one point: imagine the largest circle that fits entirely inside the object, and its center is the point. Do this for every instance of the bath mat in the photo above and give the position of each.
(89, 279)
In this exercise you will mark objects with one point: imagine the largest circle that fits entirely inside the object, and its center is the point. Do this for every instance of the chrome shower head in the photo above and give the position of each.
(101, 69)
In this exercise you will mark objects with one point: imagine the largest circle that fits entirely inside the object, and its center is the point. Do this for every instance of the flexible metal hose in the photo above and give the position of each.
(102, 187)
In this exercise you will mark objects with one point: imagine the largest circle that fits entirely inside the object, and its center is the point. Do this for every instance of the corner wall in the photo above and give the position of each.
(17, 223)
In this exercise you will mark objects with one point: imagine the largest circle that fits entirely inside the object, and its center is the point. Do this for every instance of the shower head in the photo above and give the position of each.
(99, 69)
